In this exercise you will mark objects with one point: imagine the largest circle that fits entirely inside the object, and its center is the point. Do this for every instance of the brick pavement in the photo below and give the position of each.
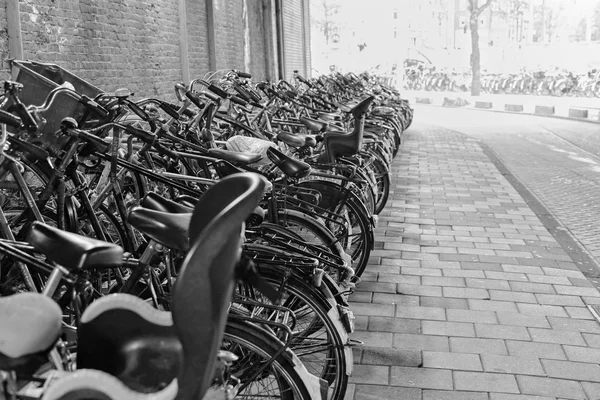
(467, 295)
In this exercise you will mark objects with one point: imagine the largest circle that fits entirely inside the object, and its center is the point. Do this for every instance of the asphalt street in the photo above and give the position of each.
(557, 161)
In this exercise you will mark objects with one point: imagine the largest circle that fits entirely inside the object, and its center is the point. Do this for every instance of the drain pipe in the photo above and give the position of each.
(15, 40)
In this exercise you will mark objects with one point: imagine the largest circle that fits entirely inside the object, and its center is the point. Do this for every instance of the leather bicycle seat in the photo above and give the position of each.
(314, 125)
(170, 229)
(235, 157)
(290, 166)
(147, 349)
(31, 323)
(383, 111)
(296, 140)
(155, 202)
(74, 251)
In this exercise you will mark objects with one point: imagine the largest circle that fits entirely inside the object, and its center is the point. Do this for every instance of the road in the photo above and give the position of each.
(558, 162)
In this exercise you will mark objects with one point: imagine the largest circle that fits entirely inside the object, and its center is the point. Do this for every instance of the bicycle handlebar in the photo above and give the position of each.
(10, 119)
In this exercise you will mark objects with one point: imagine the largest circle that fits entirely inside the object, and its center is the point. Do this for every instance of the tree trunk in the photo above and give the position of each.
(475, 55)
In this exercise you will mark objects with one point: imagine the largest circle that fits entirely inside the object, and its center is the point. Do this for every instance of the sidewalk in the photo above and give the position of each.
(467, 295)
(565, 107)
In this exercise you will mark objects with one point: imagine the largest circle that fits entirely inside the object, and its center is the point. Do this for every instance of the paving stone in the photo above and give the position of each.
(491, 305)
(521, 365)
(464, 273)
(385, 356)
(577, 291)
(419, 290)
(592, 340)
(563, 272)
(553, 336)
(443, 281)
(550, 387)
(582, 354)
(471, 316)
(400, 262)
(395, 325)
(399, 299)
(517, 297)
(398, 278)
(559, 300)
(485, 382)
(426, 378)
(453, 395)
(506, 276)
(540, 309)
(384, 269)
(524, 269)
(370, 374)
(518, 319)
(579, 312)
(459, 257)
(443, 265)
(425, 313)
(350, 390)
(421, 271)
(373, 339)
(447, 328)
(481, 266)
(361, 322)
(444, 302)
(581, 325)
(454, 361)
(369, 276)
(487, 283)
(572, 370)
(494, 331)
(553, 280)
(580, 282)
(506, 396)
(532, 287)
(380, 287)
(383, 310)
(377, 392)
(465, 293)
(478, 346)
(592, 389)
(361, 297)
(420, 342)
(535, 349)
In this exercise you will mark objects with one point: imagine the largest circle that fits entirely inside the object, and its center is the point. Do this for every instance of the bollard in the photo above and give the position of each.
(544, 110)
(514, 107)
(424, 100)
(483, 104)
(578, 113)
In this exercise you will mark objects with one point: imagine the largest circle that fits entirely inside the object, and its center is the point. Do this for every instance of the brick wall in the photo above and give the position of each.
(4, 71)
(136, 43)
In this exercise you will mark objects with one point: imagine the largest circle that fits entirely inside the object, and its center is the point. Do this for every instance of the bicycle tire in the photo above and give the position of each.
(249, 343)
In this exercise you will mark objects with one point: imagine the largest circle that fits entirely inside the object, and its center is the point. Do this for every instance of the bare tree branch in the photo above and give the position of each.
(483, 7)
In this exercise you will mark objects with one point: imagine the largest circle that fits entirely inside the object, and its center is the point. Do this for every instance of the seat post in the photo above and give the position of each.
(53, 281)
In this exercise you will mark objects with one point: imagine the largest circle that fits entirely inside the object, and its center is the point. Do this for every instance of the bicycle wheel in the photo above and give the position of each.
(282, 376)
(318, 335)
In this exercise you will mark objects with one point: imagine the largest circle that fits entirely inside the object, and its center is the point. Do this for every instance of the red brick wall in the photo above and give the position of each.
(4, 71)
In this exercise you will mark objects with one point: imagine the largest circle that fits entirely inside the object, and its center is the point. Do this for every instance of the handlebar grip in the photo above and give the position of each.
(242, 74)
(217, 90)
(255, 96)
(163, 150)
(140, 133)
(93, 106)
(9, 119)
(194, 99)
(303, 80)
(26, 117)
(239, 100)
(213, 97)
(169, 110)
(138, 110)
(242, 92)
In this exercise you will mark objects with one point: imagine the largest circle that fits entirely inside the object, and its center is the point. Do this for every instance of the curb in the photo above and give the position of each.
(573, 113)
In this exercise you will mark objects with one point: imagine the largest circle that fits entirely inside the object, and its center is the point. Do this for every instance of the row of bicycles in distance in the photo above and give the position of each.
(203, 247)
(544, 83)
